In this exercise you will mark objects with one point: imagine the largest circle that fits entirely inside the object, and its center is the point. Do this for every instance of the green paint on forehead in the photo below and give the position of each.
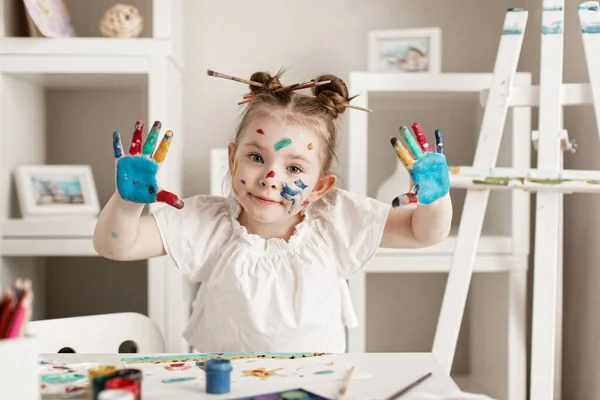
(282, 143)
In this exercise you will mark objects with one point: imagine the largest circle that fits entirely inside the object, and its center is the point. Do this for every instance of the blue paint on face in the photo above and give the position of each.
(430, 173)
(300, 184)
(136, 179)
(289, 194)
(243, 182)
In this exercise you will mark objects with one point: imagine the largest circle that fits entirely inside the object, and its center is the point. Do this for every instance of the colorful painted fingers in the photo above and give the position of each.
(136, 175)
(428, 169)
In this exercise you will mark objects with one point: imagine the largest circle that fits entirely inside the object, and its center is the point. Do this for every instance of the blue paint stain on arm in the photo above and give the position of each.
(300, 184)
(115, 237)
(282, 143)
(136, 179)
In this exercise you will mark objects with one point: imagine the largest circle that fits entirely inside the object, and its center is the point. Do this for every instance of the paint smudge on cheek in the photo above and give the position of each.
(235, 167)
(282, 143)
(260, 131)
(243, 182)
(310, 146)
(271, 174)
(295, 196)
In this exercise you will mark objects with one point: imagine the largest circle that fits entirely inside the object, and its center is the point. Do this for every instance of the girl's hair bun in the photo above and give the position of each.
(269, 83)
(332, 96)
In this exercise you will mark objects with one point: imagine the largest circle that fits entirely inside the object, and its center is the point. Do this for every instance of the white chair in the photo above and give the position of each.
(105, 333)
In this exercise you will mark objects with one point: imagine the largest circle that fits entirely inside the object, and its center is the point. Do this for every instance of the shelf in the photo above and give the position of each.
(48, 237)
(85, 46)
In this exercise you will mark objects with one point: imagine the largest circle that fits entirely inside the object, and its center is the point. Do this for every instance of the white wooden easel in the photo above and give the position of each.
(550, 181)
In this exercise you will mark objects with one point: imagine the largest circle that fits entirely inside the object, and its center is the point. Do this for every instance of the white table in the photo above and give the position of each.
(390, 372)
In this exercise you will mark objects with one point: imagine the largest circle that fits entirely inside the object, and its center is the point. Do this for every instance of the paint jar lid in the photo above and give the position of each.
(102, 370)
(115, 394)
(217, 365)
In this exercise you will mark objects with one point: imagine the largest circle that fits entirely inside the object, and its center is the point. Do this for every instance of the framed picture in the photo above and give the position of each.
(406, 50)
(57, 190)
(48, 18)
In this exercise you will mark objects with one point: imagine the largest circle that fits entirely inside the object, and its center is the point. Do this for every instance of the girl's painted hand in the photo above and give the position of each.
(136, 172)
(428, 169)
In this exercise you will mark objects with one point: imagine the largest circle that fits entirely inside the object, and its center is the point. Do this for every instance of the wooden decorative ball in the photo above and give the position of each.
(122, 21)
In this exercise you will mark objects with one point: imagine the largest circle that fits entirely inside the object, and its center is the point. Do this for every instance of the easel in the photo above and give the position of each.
(550, 181)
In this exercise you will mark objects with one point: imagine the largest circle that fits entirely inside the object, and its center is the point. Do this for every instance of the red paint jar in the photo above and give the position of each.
(124, 384)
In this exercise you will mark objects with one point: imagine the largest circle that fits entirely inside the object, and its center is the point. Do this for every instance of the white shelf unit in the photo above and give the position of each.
(138, 78)
(496, 318)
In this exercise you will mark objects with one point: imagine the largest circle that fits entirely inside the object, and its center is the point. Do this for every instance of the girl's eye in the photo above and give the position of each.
(294, 169)
(255, 158)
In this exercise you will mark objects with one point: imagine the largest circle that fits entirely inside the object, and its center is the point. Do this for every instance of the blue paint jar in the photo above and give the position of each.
(218, 376)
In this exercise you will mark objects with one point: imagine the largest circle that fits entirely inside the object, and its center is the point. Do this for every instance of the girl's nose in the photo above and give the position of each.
(269, 180)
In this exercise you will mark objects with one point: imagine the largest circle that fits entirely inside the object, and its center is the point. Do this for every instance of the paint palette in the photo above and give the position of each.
(294, 394)
(59, 380)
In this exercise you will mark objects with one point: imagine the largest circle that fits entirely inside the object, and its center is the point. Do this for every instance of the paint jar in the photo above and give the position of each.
(124, 384)
(97, 378)
(131, 373)
(115, 394)
(218, 376)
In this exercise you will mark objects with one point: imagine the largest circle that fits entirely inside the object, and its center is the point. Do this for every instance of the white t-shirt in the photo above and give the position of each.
(272, 295)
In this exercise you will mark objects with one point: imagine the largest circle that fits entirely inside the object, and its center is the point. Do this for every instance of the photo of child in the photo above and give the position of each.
(405, 51)
(57, 190)
(404, 55)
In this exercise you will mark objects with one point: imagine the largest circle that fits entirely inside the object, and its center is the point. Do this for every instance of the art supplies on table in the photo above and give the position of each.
(252, 371)
(15, 309)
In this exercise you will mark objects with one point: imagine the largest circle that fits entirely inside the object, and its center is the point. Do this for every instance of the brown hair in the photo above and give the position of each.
(318, 112)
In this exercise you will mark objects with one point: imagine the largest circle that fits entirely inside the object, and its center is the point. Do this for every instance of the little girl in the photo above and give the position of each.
(274, 255)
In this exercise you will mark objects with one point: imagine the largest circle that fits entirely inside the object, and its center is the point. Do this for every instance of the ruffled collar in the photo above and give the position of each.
(276, 245)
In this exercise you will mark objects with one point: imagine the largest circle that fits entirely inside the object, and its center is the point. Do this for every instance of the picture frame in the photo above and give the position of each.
(416, 50)
(57, 191)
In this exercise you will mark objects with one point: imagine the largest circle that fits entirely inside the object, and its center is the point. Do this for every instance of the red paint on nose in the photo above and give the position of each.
(271, 174)
(260, 131)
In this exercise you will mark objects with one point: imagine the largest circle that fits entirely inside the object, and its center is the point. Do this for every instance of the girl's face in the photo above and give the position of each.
(276, 169)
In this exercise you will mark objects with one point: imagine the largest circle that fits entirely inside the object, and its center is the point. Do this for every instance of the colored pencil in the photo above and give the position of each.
(409, 387)
(17, 313)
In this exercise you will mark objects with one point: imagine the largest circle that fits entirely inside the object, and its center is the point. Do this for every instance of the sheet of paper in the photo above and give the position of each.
(248, 370)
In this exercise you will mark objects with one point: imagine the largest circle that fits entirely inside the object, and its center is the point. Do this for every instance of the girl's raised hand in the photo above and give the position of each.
(428, 169)
(136, 172)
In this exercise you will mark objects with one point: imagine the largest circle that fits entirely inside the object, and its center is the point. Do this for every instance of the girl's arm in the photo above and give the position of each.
(422, 226)
(122, 234)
